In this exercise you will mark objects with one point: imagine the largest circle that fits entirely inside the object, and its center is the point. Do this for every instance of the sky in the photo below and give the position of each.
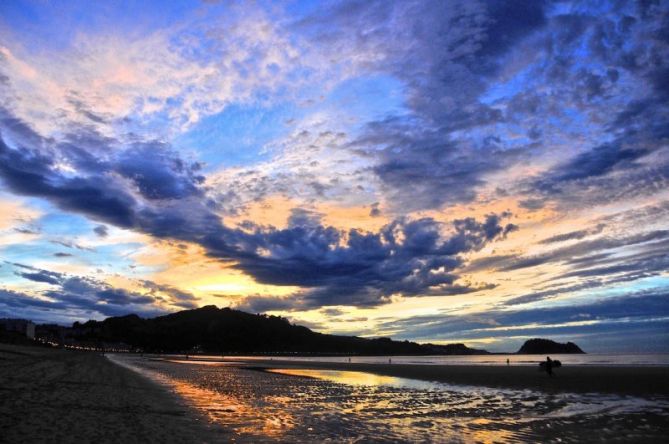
(437, 171)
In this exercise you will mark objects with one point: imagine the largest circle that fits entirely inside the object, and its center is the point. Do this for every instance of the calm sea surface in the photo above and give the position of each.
(656, 359)
(306, 405)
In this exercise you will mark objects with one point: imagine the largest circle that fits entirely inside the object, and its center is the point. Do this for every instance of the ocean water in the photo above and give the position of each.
(647, 359)
(244, 404)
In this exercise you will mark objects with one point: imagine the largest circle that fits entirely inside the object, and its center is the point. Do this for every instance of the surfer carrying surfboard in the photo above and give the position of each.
(549, 366)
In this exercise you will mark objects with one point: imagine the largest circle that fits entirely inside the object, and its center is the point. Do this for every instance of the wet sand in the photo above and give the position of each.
(639, 381)
(266, 401)
(49, 395)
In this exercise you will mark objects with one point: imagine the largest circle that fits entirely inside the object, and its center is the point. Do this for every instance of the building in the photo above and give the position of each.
(20, 326)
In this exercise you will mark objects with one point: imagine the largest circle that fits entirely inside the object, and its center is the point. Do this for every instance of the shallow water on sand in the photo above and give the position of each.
(296, 405)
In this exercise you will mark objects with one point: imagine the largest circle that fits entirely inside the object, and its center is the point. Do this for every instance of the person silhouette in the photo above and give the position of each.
(549, 366)
(507, 361)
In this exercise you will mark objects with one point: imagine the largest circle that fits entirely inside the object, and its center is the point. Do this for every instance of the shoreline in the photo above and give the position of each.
(55, 395)
(637, 381)
(610, 360)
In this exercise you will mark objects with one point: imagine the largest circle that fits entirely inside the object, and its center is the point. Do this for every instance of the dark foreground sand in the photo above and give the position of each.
(640, 381)
(61, 396)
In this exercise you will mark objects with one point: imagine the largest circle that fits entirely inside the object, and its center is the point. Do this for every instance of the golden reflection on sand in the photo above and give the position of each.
(243, 418)
(201, 362)
(485, 431)
(342, 377)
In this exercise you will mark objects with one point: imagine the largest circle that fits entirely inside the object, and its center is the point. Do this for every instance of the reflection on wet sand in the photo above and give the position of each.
(300, 405)
(199, 362)
(228, 410)
(480, 431)
(242, 420)
(356, 378)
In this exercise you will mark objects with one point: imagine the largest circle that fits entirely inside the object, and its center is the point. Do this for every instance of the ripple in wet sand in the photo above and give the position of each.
(301, 405)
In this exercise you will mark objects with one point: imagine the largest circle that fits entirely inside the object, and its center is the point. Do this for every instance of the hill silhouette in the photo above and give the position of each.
(546, 346)
(213, 330)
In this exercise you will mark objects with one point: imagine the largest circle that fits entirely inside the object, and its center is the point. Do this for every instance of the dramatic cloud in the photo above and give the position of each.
(406, 257)
(163, 198)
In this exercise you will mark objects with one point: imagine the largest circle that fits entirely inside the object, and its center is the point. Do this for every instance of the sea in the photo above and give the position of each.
(617, 360)
(247, 403)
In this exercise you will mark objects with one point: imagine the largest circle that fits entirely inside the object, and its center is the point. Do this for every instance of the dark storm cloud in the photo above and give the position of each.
(408, 257)
(151, 191)
(106, 189)
(30, 172)
(159, 173)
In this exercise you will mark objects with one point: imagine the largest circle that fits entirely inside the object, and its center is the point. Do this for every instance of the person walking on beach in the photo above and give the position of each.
(549, 366)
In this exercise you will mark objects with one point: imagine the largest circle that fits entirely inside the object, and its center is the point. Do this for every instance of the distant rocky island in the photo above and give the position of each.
(539, 346)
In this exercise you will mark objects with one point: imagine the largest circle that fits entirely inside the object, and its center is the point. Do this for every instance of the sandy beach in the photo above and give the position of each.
(50, 395)
(60, 396)
(578, 379)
